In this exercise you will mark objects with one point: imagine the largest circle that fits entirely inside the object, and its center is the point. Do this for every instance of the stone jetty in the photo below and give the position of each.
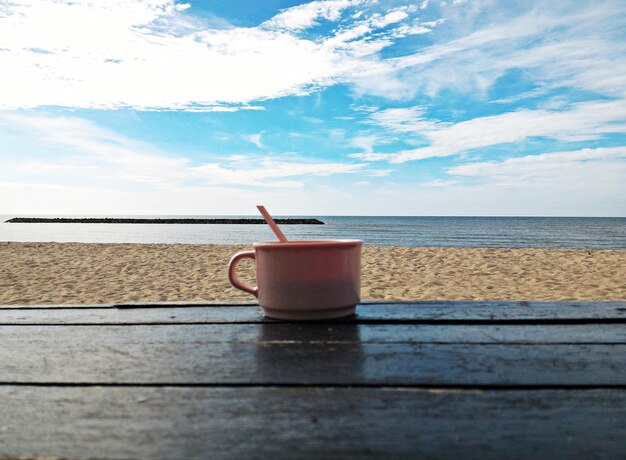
(115, 220)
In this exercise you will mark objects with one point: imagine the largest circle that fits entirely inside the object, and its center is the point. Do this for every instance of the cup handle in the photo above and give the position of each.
(232, 275)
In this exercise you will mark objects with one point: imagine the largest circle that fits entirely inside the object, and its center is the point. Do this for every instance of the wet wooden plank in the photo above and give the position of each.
(430, 312)
(316, 423)
(268, 355)
(300, 333)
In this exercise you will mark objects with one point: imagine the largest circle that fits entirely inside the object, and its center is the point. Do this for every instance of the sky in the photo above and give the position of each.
(337, 107)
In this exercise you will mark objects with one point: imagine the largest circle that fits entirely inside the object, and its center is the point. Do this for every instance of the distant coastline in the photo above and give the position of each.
(108, 220)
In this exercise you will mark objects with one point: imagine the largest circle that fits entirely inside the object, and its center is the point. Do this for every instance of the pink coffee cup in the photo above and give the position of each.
(304, 280)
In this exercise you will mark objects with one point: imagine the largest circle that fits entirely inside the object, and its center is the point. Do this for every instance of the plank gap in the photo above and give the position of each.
(460, 387)
(443, 322)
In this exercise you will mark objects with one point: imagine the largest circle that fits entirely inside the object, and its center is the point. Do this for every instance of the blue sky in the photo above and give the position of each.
(356, 107)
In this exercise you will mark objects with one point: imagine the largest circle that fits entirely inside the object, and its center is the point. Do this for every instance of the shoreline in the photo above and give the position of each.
(105, 273)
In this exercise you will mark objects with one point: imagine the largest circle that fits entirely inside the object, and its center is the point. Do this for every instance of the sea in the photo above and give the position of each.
(485, 232)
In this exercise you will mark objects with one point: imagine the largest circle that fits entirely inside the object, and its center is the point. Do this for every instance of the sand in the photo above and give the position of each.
(77, 273)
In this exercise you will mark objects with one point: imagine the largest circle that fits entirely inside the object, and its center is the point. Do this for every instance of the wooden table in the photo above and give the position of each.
(400, 380)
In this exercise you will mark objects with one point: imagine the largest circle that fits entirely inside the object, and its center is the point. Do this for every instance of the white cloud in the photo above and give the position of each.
(405, 120)
(89, 146)
(155, 55)
(439, 183)
(256, 140)
(99, 156)
(597, 165)
(372, 156)
(269, 173)
(406, 30)
(366, 143)
(121, 60)
(566, 45)
(390, 18)
(44, 198)
(306, 15)
(580, 182)
(378, 172)
(584, 121)
(125, 57)
(552, 198)
(364, 38)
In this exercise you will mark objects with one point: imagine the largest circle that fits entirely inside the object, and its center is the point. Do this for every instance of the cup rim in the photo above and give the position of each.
(308, 244)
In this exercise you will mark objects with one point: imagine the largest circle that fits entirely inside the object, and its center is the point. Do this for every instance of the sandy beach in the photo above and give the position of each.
(78, 273)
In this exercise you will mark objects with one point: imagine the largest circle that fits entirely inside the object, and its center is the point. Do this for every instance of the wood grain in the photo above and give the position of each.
(311, 423)
(274, 354)
(527, 380)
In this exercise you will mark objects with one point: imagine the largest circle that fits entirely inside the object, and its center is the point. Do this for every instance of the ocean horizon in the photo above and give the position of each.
(451, 231)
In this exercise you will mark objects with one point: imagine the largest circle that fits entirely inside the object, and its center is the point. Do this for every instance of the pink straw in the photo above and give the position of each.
(272, 224)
